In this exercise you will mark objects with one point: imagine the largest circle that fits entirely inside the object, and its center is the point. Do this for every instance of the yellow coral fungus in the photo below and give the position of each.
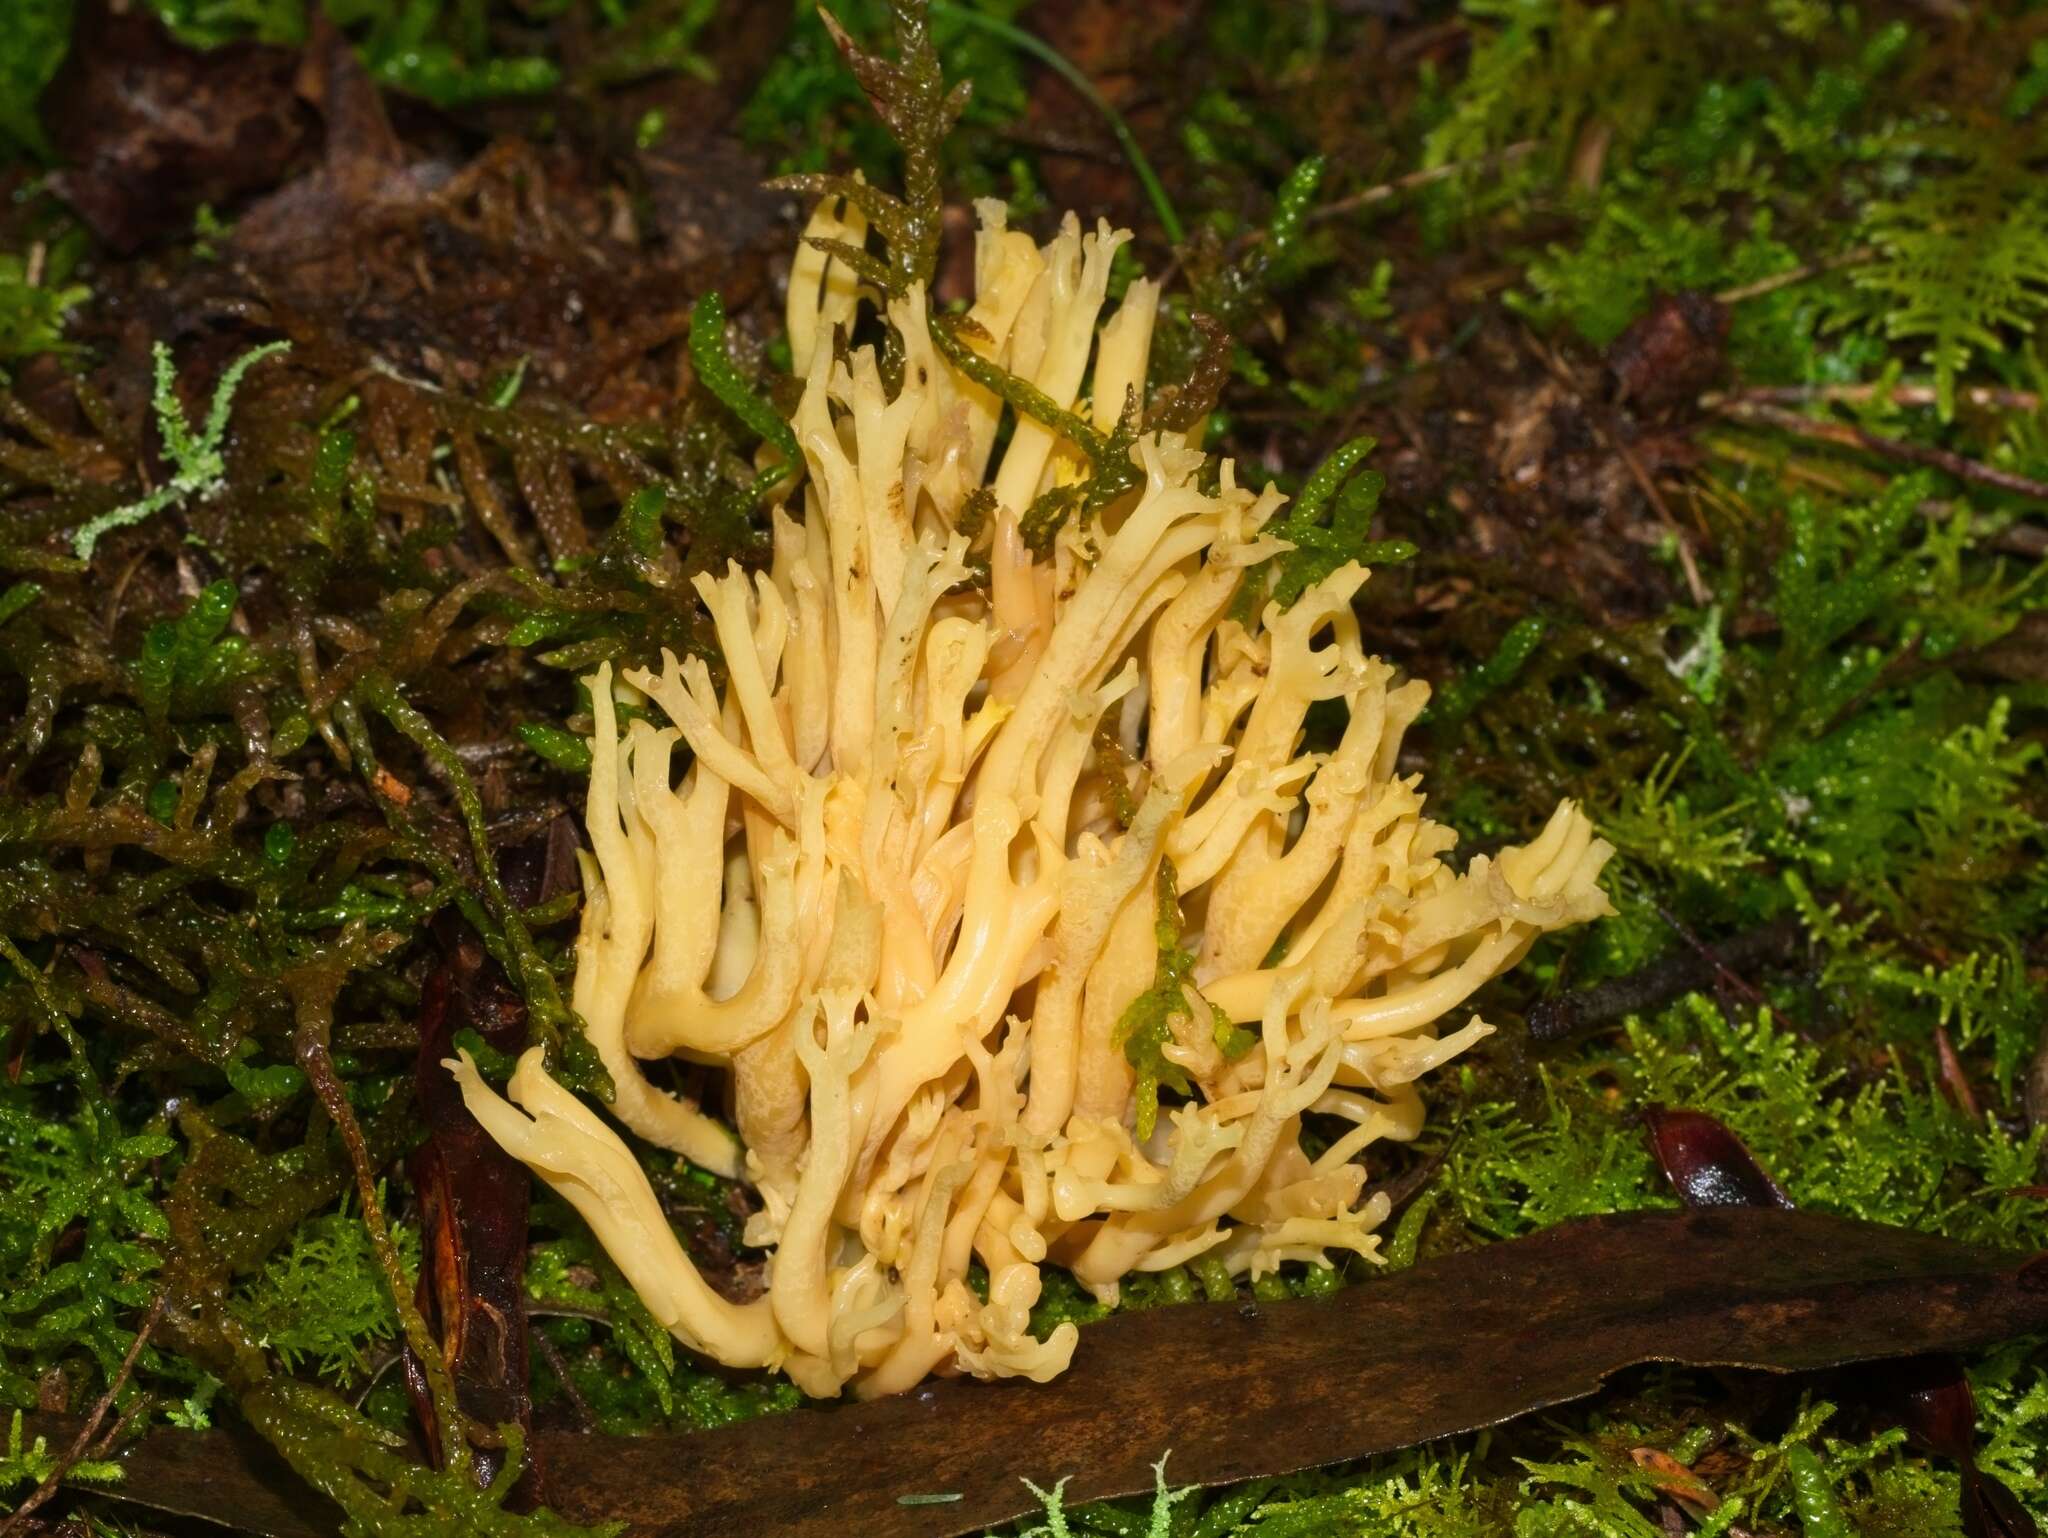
(896, 893)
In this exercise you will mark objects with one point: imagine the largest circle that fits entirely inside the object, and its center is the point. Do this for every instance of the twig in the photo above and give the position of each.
(1722, 972)
(1850, 436)
(1683, 971)
(586, 1418)
(1648, 487)
(1778, 280)
(1403, 1188)
(1898, 395)
(1401, 184)
(83, 1441)
(2022, 539)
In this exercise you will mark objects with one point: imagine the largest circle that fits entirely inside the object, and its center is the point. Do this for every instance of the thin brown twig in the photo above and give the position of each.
(1897, 395)
(1413, 179)
(2022, 539)
(1648, 487)
(1778, 280)
(1850, 436)
(1691, 967)
(551, 1354)
(82, 1443)
(1720, 967)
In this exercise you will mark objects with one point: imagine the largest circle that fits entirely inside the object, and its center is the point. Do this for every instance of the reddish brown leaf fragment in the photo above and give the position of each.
(1954, 1077)
(392, 788)
(473, 1197)
(1676, 1480)
(1931, 1398)
(1672, 353)
(17, 1049)
(1990, 1510)
(1708, 1165)
(473, 1204)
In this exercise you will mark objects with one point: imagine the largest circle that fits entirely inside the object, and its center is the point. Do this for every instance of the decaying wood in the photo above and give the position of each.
(1688, 969)
(1241, 1391)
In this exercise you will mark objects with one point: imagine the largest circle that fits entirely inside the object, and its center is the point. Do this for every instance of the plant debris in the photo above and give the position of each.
(1572, 1306)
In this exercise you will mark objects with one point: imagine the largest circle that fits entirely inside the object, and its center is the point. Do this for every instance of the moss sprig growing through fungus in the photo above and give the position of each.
(1147, 1026)
(908, 896)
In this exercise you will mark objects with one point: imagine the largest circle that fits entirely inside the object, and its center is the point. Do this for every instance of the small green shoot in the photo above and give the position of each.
(1145, 1029)
(714, 366)
(33, 310)
(34, 1463)
(1349, 496)
(199, 470)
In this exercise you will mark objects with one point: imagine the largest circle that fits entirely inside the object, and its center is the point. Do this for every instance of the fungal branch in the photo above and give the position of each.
(961, 870)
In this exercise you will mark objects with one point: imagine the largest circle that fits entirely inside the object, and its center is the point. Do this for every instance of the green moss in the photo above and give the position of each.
(320, 1300)
(38, 33)
(84, 1178)
(1958, 265)
(1146, 1027)
(25, 1464)
(33, 315)
(1887, 1149)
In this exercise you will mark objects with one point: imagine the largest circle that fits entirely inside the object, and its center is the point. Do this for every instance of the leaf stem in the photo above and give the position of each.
(1061, 65)
(1777, 280)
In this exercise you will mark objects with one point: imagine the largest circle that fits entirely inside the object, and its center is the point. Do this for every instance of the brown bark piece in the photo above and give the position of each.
(1242, 1391)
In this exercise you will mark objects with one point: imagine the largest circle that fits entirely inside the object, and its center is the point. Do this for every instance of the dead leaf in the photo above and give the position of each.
(474, 1196)
(150, 129)
(1672, 353)
(364, 169)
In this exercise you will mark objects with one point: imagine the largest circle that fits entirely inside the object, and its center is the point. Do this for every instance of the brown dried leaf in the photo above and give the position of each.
(310, 223)
(1708, 1165)
(150, 129)
(1672, 353)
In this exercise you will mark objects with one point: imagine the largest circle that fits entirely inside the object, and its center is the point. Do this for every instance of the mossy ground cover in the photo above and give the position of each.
(1701, 356)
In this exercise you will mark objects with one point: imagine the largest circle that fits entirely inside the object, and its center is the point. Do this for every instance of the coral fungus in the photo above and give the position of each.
(967, 862)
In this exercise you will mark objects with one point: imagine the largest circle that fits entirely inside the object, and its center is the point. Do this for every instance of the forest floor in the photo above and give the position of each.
(1701, 349)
